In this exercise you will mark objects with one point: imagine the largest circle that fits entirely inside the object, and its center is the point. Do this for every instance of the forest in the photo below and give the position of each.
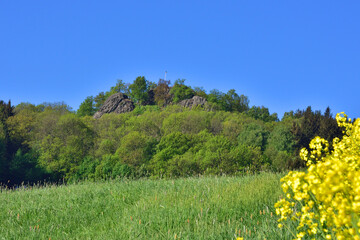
(158, 139)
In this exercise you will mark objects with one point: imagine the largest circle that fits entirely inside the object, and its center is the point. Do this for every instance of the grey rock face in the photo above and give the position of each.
(117, 103)
(193, 102)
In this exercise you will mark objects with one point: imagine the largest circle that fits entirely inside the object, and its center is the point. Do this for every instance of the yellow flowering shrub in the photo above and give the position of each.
(324, 201)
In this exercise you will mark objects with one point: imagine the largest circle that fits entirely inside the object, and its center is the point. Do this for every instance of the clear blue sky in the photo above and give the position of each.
(284, 55)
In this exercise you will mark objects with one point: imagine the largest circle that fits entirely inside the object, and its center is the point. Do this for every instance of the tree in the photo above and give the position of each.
(162, 93)
(169, 146)
(87, 107)
(328, 127)
(139, 90)
(99, 100)
(280, 148)
(60, 107)
(6, 110)
(215, 96)
(281, 139)
(7, 148)
(3, 162)
(180, 91)
(62, 151)
(254, 135)
(20, 127)
(262, 113)
(120, 87)
(133, 149)
(312, 124)
(200, 91)
(213, 153)
(308, 127)
(23, 167)
(231, 101)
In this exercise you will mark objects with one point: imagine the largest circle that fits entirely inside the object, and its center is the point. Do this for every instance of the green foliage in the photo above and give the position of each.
(149, 123)
(214, 154)
(187, 122)
(230, 101)
(246, 157)
(87, 107)
(262, 113)
(133, 149)
(253, 134)
(280, 149)
(180, 91)
(314, 124)
(3, 162)
(233, 125)
(86, 169)
(175, 143)
(99, 100)
(139, 90)
(120, 87)
(6, 110)
(105, 168)
(281, 139)
(164, 140)
(280, 160)
(62, 150)
(112, 167)
(7, 148)
(184, 165)
(24, 168)
(200, 91)
(215, 96)
(59, 107)
(139, 110)
(20, 125)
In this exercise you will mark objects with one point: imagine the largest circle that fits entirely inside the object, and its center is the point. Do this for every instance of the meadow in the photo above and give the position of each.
(185, 208)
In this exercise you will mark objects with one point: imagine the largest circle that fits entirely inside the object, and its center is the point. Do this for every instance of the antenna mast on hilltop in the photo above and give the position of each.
(165, 75)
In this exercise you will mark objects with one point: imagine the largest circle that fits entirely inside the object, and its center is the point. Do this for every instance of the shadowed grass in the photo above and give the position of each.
(192, 208)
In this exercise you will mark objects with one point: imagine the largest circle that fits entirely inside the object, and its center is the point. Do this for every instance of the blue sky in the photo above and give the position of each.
(284, 55)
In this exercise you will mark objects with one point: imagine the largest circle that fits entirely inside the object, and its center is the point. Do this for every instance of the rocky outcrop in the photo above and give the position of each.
(117, 103)
(193, 102)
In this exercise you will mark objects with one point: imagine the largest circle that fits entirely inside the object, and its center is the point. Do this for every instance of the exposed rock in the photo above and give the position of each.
(117, 103)
(193, 102)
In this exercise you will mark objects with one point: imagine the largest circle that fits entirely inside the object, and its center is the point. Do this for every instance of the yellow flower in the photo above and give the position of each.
(329, 191)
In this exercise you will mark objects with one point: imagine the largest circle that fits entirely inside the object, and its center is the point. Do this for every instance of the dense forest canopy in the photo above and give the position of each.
(159, 138)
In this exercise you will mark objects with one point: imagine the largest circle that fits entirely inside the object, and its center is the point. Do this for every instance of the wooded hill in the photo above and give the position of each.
(158, 138)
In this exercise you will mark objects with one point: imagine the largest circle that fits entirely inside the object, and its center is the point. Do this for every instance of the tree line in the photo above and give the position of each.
(143, 92)
(158, 139)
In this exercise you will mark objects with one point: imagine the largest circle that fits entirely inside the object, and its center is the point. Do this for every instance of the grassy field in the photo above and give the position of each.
(192, 208)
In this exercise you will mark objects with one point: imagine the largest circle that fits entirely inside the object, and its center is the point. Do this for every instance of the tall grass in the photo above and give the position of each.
(192, 208)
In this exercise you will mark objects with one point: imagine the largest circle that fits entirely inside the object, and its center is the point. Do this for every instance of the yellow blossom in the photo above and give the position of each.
(329, 190)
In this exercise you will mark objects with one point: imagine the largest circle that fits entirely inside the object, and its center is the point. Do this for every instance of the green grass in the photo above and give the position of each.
(191, 208)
